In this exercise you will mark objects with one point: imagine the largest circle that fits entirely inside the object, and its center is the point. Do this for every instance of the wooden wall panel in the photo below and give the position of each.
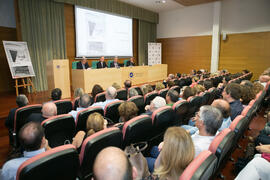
(6, 81)
(71, 36)
(185, 53)
(245, 51)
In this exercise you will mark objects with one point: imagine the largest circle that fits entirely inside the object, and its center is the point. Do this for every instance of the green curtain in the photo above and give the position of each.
(43, 28)
(117, 7)
(147, 33)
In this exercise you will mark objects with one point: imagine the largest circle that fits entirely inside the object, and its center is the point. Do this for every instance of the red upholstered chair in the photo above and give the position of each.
(194, 104)
(246, 111)
(59, 130)
(238, 126)
(58, 163)
(205, 98)
(222, 145)
(82, 117)
(111, 111)
(21, 116)
(162, 118)
(63, 106)
(122, 94)
(181, 109)
(75, 103)
(137, 129)
(176, 88)
(202, 167)
(93, 144)
(138, 89)
(163, 92)
(100, 97)
(149, 97)
(139, 101)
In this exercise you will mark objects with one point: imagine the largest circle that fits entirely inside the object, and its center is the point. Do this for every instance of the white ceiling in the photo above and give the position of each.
(153, 6)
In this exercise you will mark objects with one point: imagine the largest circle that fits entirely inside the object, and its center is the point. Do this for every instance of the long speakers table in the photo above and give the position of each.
(86, 79)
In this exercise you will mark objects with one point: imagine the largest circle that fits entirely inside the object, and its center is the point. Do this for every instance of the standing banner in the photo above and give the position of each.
(154, 53)
(18, 58)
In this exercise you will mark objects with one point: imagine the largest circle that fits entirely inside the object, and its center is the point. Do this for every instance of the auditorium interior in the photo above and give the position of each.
(134, 89)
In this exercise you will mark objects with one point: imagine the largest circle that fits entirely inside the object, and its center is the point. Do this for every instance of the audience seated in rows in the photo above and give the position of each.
(198, 89)
(56, 94)
(78, 92)
(21, 101)
(96, 90)
(170, 84)
(172, 97)
(112, 163)
(186, 92)
(84, 102)
(33, 142)
(156, 103)
(48, 110)
(232, 94)
(110, 97)
(207, 84)
(127, 110)
(95, 122)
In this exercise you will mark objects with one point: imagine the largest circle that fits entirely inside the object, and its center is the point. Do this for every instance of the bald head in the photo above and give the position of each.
(31, 136)
(49, 109)
(111, 93)
(223, 106)
(112, 162)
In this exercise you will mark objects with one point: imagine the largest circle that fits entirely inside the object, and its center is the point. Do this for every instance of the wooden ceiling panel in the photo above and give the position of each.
(193, 2)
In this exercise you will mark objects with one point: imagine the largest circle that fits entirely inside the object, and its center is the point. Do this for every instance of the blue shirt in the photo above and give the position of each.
(10, 168)
(236, 109)
(103, 104)
(74, 113)
(225, 124)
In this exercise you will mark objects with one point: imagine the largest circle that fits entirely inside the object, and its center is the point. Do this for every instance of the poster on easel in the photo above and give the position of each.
(154, 53)
(18, 58)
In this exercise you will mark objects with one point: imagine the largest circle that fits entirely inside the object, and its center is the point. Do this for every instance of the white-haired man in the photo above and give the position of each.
(110, 97)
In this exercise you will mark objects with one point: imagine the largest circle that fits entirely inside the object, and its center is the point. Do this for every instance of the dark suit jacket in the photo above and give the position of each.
(79, 65)
(112, 64)
(129, 63)
(35, 117)
(10, 119)
(99, 65)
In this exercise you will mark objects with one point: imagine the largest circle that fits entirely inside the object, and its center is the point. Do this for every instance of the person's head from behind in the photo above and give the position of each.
(156, 103)
(170, 77)
(208, 120)
(177, 153)
(208, 84)
(111, 93)
(172, 96)
(187, 92)
(149, 88)
(132, 59)
(127, 84)
(84, 101)
(178, 75)
(102, 59)
(144, 89)
(195, 79)
(232, 92)
(49, 109)
(21, 100)
(78, 92)
(132, 92)
(247, 94)
(116, 86)
(84, 60)
(95, 122)
(56, 94)
(127, 110)
(112, 163)
(223, 106)
(247, 83)
(198, 89)
(96, 89)
(31, 136)
(159, 86)
(257, 87)
(170, 83)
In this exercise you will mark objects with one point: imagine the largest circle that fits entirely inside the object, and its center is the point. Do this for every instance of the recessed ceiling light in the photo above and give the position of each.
(160, 1)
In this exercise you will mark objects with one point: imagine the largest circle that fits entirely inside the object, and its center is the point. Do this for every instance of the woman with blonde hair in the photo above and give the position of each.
(198, 89)
(159, 86)
(94, 123)
(176, 153)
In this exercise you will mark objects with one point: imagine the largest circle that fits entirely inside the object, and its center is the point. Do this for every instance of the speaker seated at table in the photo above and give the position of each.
(101, 63)
(115, 63)
(83, 64)
(130, 62)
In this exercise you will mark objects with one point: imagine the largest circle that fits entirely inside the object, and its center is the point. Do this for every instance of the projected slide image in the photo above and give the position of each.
(102, 34)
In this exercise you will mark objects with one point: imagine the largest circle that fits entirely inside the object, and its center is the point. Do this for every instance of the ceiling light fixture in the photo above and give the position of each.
(162, 1)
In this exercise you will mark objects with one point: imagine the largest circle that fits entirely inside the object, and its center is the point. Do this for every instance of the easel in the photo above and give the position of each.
(29, 83)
